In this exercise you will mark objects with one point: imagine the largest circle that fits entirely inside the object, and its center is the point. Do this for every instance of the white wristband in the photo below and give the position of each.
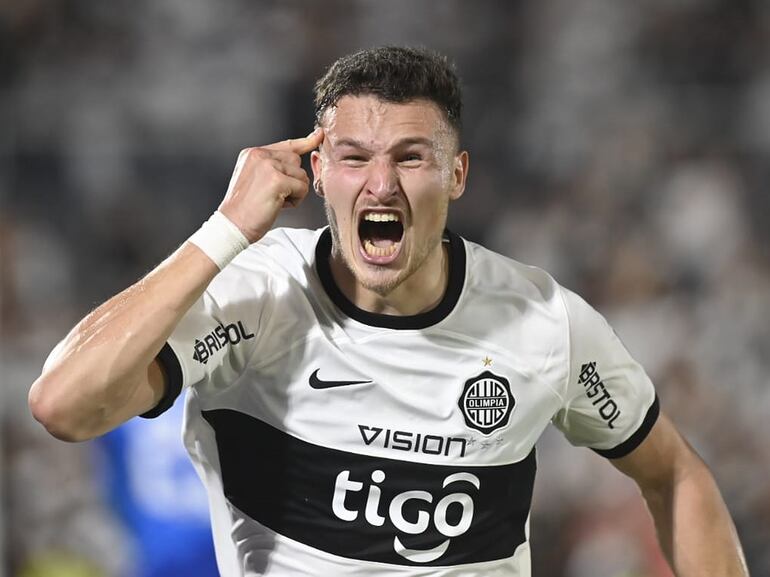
(219, 239)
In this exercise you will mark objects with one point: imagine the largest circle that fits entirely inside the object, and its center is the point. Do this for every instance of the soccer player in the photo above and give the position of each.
(365, 399)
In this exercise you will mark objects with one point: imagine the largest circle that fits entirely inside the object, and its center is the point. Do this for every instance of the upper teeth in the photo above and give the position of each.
(381, 217)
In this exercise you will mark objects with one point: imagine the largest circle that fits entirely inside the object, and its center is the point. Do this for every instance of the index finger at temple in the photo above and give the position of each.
(301, 145)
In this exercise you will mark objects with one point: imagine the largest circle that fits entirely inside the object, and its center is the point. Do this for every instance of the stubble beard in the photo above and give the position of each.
(382, 281)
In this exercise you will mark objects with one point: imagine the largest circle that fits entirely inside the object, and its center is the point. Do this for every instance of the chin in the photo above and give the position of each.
(380, 282)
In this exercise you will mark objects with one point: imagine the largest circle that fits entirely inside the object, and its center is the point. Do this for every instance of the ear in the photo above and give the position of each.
(316, 163)
(459, 175)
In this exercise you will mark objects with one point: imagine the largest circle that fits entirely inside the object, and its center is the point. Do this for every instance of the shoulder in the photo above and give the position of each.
(489, 271)
(280, 244)
(517, 314)
(517, 305)
(561, 313)
(280, 254)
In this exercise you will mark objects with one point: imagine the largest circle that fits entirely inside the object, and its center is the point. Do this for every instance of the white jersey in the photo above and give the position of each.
(334, 441)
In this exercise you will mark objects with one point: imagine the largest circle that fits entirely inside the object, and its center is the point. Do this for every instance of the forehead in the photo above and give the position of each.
(371, 119)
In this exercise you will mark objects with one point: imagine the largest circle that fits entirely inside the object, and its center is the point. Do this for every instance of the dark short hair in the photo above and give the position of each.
(394, 74)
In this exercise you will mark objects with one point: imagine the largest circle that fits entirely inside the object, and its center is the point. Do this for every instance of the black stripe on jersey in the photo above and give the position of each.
(173, 371)
(363, 507)
(419, 321)
(639, 435)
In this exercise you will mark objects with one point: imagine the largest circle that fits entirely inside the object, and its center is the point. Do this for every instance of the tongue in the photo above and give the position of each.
(382, 242)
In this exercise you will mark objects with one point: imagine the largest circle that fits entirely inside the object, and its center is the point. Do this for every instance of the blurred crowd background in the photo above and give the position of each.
(622, 146)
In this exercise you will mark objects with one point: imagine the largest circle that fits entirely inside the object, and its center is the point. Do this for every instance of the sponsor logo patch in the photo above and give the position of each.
(392, 510)
(598, 393)
(486, 402)
(233, 334)
(443, 514)
(426, 444)
(317, 382)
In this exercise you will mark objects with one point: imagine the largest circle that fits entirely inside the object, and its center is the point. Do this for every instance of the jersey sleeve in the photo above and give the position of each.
(609, 402)
(212, 344)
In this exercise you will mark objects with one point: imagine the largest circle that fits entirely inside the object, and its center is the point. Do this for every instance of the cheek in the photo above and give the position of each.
(340, 189)
(340, 213)
(428, 199)
(342, 177)
(340, 209)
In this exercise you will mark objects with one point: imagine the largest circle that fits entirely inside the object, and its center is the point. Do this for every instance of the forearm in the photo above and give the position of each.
(103, 372)
(694, 526)
(98, 376)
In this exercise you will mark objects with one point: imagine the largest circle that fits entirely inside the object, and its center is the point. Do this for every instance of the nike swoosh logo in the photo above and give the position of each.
(317, 383)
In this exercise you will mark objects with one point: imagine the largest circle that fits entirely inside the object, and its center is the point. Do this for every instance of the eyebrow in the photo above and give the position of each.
(408, 141)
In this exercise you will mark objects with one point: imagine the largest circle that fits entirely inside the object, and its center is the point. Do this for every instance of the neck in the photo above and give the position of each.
(418, 293)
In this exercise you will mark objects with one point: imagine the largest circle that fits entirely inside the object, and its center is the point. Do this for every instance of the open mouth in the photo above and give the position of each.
(380, 234)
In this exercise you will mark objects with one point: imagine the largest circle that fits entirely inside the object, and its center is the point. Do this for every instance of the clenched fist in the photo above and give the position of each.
(265, 180)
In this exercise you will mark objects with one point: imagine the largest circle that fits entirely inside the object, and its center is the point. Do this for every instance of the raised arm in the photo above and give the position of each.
(694, 527)
(105, 371)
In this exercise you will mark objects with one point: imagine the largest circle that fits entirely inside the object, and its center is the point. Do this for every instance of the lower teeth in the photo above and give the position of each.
(372, 250)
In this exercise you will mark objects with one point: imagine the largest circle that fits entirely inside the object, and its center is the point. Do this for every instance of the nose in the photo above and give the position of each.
(382, 181)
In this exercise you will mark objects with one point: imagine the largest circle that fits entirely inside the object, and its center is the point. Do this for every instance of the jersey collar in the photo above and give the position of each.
(419, 321)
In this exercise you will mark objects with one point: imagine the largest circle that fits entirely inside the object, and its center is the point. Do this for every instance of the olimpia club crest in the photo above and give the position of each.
(486, 402)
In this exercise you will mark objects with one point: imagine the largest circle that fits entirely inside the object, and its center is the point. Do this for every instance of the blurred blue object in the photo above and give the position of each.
(154, 490)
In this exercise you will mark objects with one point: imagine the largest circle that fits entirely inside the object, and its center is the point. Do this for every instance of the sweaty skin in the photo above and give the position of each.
(105, 371)
(380, 160)
(393, 159)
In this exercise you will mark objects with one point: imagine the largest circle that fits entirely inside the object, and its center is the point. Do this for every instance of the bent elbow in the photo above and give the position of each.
(55, 417)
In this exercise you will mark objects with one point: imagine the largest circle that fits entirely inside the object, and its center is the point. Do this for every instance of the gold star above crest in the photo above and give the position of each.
(487, 361)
